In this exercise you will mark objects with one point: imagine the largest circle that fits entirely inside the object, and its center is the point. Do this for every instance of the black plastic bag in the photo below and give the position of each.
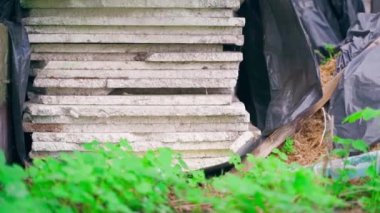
(10, 15)
(360, 85)
(375, 6)
(362, 34)
(276, 82)
(326, 22)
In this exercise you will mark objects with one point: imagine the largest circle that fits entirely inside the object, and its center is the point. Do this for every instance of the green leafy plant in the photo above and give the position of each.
(111, 178)
(331, 51)
(367, 193)
(274, 186)
(365, 114)
(288, 147)
(14, 194)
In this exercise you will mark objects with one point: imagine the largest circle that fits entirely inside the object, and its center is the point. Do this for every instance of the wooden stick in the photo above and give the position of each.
(279, 136)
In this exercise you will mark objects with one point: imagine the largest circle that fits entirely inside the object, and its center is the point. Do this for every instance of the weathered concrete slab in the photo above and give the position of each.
(136, 128)
(75, 91)
(195, 57)
(135, 83)
(69, 119)
(188, 155)
(201, 163)
(137, 147)
(235, 109)
(183, 137)
(134, 91)
(136, 39)
(143, 100)
(132, 12)
(132, 21)
(242, 141)
(136, 74)
(152, 57)
(88, 57)
(134, 30)
(131, 4)
(171, 83)
(138, 65)
(124, 48)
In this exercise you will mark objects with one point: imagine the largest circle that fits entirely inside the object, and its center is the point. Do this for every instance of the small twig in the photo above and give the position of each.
(325, 126)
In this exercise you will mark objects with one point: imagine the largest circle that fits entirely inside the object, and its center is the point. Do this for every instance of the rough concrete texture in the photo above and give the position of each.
(133, 91)
(195, 57)
(131, 21)
(125, 48)
(69, 119)
(182, 137)
(189, 154)
(131, 4)
(135, 83)
(136, 39)
(136, 128)
(151, 57)
(137, 74)
(134, 100)
(139, 65)
(132, 12)
(151, 71)
(236, 109)
(135, 30)
(137, 146)
(196, 164)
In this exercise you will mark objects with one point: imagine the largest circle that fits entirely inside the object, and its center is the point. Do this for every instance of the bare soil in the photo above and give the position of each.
(309, 141)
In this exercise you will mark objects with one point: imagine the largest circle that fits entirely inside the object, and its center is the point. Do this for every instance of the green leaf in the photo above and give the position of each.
(144, 188)
(280, 154)
(366, 114)
(342, 153)
(360, 145)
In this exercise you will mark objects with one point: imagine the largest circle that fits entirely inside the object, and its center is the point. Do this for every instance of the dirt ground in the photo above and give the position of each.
(313, 140)
(310, 141)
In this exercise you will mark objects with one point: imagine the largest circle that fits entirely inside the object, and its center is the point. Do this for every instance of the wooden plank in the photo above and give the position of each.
(279, 136)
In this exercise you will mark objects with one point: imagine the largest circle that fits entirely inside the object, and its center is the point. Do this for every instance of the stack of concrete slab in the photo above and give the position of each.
(150, 71)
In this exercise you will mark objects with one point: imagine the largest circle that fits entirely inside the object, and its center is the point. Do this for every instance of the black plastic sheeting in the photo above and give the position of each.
(327, 21)
(360, 86)
(279, 77)
(375, 6)
(276, 84)
(10, 15)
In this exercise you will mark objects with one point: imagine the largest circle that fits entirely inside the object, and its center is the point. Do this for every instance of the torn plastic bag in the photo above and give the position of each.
(358, 89)
(327, 21)
(10, 15)
(279, 84)
(362, 34)
(360, 85)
